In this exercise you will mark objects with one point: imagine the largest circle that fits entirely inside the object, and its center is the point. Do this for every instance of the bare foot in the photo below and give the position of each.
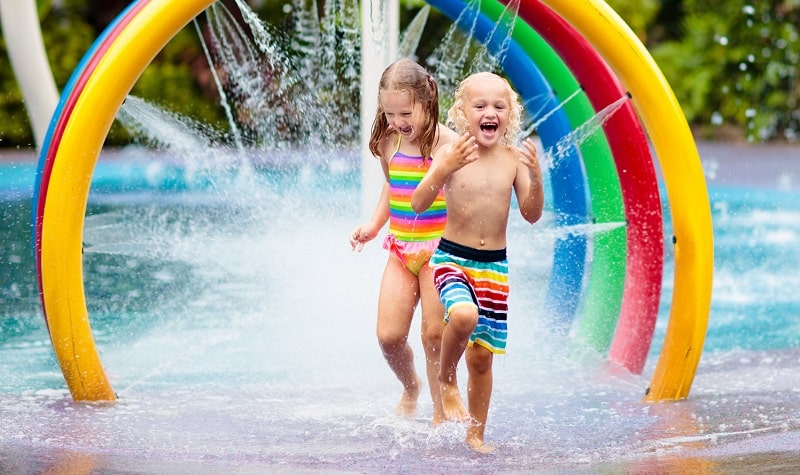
(438, 411)
(452, 405)
(407, 407)
(438, 418)
(476, 444)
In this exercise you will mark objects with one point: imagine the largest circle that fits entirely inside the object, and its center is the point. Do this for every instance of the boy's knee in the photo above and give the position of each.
(463, 318)
(479, 359)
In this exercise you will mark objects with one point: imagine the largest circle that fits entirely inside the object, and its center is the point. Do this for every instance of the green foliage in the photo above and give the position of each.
(14, 125)
(737, 65)
(68, 31)
(66, 37)
(638, 14)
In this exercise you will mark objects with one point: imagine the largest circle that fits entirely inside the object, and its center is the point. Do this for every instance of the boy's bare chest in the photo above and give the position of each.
(485, 176)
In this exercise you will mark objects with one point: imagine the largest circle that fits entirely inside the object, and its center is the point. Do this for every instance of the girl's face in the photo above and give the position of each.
(487, 110)
(401, 113)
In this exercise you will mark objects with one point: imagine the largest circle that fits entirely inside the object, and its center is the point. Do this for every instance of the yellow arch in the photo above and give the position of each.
(686, 189)
(67, 194)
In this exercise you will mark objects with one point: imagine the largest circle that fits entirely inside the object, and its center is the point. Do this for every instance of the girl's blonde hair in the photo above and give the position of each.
(408, 76)
(457, 118)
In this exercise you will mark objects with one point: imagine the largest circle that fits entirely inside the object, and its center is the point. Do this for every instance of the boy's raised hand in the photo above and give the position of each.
(462, 152)
(529, 156)
(446, 161)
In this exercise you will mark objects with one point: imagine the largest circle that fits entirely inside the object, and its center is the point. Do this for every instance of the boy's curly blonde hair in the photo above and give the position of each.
(457, 118)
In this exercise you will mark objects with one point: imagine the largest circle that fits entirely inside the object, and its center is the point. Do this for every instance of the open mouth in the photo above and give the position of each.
(489, 127)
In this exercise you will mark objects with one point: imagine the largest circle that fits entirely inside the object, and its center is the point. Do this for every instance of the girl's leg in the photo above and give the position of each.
(432, 327)
(479, 366)
(397, 300)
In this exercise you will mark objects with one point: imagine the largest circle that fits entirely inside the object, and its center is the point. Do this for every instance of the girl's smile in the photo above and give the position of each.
(400, 112)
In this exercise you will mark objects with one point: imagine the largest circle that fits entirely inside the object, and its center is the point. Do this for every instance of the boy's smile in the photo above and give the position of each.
(487, 111)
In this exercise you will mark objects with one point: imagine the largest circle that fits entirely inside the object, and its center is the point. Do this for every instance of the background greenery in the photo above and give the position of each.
(733, 66)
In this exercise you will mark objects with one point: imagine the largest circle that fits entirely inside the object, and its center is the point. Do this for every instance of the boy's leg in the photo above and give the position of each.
(432, 327)
(479, 365)
(397, 300)
(462, 322)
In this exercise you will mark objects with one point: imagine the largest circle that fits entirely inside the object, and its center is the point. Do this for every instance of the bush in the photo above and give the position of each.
(737, 65)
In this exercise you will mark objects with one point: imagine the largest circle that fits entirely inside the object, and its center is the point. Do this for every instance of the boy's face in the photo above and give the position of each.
(487, 110)
(401, 113)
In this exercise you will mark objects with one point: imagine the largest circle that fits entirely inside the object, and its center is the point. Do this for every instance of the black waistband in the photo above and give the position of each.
(465, 252)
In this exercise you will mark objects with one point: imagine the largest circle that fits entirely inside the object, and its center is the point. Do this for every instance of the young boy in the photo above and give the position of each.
(478, 173)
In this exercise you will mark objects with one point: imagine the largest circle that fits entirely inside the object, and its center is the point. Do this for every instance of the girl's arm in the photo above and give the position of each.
(369, 230)
(528, 184)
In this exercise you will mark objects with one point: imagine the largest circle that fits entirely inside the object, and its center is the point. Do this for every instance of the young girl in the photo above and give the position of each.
(478, 173)
(405, 134)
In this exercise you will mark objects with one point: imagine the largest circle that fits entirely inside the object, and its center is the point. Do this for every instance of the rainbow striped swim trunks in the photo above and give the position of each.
(467, 276)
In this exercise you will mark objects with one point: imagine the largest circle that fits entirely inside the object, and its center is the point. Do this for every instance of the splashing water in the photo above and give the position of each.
(164, 129)
(542, 115)
(413, 34)
(555, 153)
(449, 60)
(501, 33)
(305, 97)
(378, 14)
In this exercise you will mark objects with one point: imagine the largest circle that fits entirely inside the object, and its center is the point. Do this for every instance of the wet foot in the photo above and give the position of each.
(476, 444)
(438, 411)
(452, 405)
(407, 407)
(438, 417)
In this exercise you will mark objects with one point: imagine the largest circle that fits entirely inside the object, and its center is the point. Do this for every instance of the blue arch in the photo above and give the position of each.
(567, 176)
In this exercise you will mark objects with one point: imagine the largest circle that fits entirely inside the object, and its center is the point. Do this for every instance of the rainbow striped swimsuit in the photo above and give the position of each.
(412, 237)
(405, 173)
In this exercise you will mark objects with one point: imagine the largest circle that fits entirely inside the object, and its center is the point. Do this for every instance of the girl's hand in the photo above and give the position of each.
(360, 236)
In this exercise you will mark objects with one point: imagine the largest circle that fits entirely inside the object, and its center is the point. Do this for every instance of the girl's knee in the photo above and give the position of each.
(432, 336)
(391, 341)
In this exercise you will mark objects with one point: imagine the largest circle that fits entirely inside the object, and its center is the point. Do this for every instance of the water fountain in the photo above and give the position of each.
(211, 370)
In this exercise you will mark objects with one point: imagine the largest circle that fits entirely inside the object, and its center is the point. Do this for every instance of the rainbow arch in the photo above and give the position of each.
(558, 47)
